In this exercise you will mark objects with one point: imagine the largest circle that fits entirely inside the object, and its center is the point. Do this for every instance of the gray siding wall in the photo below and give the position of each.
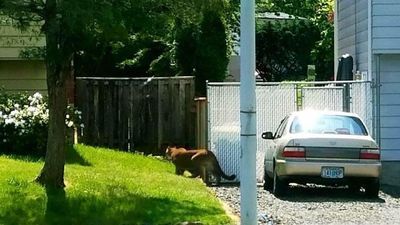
(353, 31)
(361, 35)
(390, 106)
(385, 26)
(346, 27)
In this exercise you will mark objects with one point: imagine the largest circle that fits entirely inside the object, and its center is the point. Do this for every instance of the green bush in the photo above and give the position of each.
(212, 60)
(284, 49)
(201, 49)
(186, 45)
(24, 123)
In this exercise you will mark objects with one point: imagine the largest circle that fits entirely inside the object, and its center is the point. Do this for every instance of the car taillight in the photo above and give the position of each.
(370, 153)
(294, 152)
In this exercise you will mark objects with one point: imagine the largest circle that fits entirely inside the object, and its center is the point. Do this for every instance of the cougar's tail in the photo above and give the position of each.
(231, 177)
(223, 175)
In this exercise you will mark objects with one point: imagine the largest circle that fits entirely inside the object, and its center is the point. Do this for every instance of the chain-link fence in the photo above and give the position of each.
(275, 101)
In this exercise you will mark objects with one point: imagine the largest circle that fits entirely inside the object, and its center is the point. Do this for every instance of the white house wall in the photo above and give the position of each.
(353, 31)
(385, 26)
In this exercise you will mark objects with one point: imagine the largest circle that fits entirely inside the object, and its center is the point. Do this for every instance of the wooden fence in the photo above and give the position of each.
(137, 113)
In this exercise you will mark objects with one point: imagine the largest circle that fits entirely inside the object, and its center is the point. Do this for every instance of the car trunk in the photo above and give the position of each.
(334, 153)
(333, 146)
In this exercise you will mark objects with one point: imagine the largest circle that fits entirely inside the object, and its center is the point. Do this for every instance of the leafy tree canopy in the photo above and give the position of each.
(320, 13)
(284, 49)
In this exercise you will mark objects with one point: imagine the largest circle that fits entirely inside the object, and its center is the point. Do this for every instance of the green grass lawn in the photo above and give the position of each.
(105, 187)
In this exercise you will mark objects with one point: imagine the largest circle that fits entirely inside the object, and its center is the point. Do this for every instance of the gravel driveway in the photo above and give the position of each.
(319, 205)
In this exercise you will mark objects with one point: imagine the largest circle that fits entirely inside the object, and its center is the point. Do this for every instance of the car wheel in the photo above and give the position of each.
(268, 182)
(279, 186)
(372, 188)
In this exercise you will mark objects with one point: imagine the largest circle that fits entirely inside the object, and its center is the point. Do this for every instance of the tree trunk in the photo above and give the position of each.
(53, 170)
(58, 66)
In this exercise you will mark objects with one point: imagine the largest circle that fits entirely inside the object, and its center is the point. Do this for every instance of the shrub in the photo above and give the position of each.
(201, 49)
(284, 49)
(24, 123)
(211, 56)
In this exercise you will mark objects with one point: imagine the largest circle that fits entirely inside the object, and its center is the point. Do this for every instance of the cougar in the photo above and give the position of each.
(199, 162)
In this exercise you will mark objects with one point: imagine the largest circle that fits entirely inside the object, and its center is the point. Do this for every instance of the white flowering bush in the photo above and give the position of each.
(73, 118)
(24, 123)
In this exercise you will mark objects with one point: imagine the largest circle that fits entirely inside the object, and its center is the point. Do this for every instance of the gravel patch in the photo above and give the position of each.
(319, 205)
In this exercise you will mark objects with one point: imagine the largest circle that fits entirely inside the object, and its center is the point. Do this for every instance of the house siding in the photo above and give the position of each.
(390, 106)
(23, 75)
(361, 35)
(385, 26)
(346, 27)
(16, 73)
(353, 31)
(375, 46)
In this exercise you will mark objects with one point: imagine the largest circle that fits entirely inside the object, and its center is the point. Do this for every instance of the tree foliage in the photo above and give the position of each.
(186, 46)
(284, 49)
(172, 46)
(302, 8)
(182, 47)
(320, 13)
(211, 55)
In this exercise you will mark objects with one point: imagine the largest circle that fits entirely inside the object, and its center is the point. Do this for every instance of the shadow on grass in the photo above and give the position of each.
(72, 157)
(56, 206)
(119, 206)
(19, 206)
(25, 158)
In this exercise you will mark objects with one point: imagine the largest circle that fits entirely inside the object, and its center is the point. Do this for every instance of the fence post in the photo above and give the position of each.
(160, 125)
(299, 97)
(346, 97)
(201, 122)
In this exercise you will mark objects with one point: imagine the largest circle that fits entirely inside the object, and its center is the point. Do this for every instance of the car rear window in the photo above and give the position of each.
(328, 124)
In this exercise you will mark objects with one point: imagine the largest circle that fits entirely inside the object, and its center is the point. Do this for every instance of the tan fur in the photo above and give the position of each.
(198, 162)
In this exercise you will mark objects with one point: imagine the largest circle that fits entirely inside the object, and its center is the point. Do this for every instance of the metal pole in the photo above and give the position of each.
(248, 131)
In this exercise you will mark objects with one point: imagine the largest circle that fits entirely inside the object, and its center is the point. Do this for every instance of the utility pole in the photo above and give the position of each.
(248, 130)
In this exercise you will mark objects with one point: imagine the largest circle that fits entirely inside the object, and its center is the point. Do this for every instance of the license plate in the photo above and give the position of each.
(332, 172)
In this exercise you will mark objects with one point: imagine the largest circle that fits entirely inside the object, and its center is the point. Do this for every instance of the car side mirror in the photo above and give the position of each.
(267, 135)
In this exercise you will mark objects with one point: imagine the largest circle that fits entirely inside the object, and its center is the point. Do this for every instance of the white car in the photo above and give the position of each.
(323, 147)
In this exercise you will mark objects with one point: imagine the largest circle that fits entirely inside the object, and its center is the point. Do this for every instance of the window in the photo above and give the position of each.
(281, 128)
(328, 124)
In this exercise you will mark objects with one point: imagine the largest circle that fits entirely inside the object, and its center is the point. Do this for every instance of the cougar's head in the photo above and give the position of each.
(168, 152)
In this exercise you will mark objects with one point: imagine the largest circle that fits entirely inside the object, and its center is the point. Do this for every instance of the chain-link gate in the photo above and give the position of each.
(275, 101)
(329, 98)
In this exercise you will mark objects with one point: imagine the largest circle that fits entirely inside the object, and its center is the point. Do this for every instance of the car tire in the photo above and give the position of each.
(372, 188)
(268, 182)
(279, 188)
